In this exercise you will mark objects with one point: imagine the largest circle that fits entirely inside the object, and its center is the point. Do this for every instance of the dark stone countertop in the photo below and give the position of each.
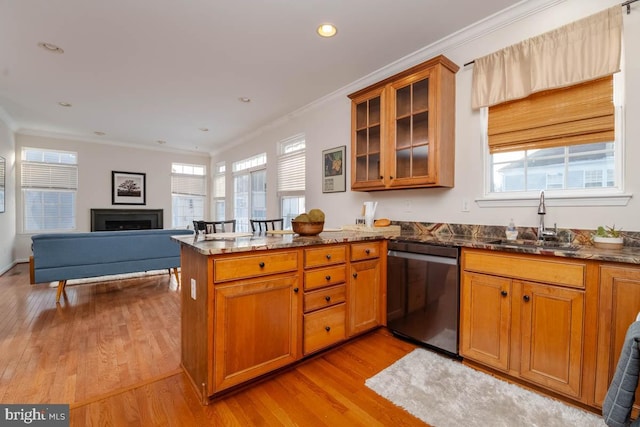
(257, 241)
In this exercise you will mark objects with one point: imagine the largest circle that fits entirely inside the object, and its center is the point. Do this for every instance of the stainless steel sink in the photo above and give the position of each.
(536, 244)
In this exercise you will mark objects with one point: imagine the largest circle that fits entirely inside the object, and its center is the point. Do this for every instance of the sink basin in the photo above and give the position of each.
(536, 244)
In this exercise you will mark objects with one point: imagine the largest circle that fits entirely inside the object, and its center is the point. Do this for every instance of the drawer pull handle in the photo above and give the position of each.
(526, 298)
(503, 293)
(327, 277)
(355, 275)
(328, 298)
(295, 290)
(261, 264)
(367, 251)
(327, 328)
(328, 256)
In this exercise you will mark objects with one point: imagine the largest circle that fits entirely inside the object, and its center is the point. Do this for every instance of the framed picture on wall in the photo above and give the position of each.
(128, 188)
(334, 178)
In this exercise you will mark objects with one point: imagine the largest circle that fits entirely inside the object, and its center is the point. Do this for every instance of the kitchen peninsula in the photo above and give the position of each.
(254, 304)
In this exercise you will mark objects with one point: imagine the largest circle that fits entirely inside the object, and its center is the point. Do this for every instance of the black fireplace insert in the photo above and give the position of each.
(125, 219)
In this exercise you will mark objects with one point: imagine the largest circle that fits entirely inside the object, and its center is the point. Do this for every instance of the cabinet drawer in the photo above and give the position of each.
(533, 268)
(368, 250)
(324, 297)
(240, 267)
(323, 328)
(325, 255)
(325, 277)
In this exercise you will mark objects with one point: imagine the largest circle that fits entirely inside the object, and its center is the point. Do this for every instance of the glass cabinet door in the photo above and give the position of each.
(368, 131)
(411, 131)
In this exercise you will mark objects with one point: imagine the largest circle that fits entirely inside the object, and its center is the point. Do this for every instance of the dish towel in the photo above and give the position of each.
(616, 409)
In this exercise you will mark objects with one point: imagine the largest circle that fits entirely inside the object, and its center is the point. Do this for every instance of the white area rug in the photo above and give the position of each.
(445, 393)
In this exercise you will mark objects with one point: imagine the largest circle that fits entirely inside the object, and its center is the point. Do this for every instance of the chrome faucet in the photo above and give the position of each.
(542, 211)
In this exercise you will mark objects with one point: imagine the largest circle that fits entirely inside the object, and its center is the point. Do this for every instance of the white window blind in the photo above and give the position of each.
(43, 175)
(219, 181)
(188, 179)
(291, 165)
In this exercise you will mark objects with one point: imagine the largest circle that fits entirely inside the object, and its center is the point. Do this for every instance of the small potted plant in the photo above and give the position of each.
(608, 238)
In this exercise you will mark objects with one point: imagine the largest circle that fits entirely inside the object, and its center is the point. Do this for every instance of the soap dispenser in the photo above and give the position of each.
(511, 231)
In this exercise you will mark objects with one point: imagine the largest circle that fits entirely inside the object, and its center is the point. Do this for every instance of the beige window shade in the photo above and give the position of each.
(579, 114)
(584, 50)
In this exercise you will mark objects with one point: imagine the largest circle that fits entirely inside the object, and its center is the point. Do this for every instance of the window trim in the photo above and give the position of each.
(21, 208)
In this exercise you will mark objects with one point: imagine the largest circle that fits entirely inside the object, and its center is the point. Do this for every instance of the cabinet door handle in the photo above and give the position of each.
(327, 298)
(390, 177)
(327, 277)
(295, 290)
(327, 328)
(526, 298)
(367, 251)
(261, 264)
(328, 256)
(355, 275)
(381, 176)
(503, 293)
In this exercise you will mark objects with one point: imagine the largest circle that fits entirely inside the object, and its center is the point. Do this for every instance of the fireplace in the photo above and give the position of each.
(125, 219)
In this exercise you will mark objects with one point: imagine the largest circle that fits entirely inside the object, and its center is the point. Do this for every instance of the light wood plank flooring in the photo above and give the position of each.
(112, 351)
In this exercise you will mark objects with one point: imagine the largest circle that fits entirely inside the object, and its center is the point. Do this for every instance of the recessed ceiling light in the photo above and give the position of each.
(99, 133)
(327, 30)
(204, 129)
(64, 104)
(50, 47)
(161, 142)
(244, 99)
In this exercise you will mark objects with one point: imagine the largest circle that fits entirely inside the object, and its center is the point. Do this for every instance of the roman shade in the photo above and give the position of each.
(579, 114)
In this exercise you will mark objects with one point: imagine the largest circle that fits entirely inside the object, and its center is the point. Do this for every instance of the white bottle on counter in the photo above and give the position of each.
(511, 231)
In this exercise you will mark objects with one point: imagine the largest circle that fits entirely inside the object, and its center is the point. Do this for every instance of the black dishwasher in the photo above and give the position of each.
(423, 294)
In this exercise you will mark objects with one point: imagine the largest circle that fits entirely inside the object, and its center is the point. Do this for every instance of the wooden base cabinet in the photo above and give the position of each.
(527, 329)
(619, 306)
(247, 314)
(366, 292)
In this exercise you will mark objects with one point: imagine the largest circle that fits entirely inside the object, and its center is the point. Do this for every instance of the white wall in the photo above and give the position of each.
(95, 164)
(8, 217)
(326, 124)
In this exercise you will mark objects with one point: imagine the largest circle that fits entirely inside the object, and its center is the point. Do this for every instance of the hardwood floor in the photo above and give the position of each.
(112, 351)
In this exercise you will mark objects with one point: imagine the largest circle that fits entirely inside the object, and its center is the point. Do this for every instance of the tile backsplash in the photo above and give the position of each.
(574, 236)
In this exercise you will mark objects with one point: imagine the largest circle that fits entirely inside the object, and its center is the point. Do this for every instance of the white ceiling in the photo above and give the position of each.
(147, 70)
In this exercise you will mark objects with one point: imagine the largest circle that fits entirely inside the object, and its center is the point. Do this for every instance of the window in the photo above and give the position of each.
(291, 178)
(188, 191)
(547, 141)
(249, 190)
(219, 190)
(49, 181)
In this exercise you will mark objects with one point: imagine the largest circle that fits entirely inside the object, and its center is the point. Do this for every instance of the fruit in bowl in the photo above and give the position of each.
(308, 224)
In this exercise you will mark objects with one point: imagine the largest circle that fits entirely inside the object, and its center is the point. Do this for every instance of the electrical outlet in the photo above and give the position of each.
(193, 288)
(465, 205)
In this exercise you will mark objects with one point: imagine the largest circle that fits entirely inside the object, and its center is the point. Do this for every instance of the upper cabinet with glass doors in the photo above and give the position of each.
(403, 129)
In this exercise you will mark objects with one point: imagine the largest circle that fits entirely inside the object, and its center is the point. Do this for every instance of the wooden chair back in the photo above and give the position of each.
(266, 224)
(218, 226)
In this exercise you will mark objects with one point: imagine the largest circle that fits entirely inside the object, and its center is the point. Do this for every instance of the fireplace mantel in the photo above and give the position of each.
(125, 219)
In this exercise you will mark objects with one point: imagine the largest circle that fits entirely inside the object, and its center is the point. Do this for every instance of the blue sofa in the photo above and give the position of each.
(64, 256)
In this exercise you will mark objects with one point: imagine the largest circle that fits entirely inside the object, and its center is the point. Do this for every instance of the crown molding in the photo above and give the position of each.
(104, 141)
